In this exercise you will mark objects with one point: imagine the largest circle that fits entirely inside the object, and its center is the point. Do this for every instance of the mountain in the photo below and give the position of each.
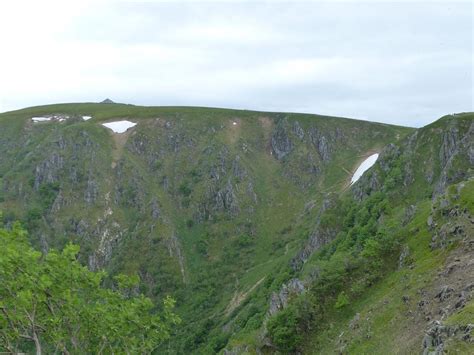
(107, 101)
(249, 220)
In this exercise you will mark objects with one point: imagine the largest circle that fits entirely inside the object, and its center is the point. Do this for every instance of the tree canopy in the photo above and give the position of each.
(50, 303)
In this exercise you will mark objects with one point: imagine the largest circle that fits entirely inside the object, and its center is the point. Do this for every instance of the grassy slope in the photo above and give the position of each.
(228, 269)
(388, 324)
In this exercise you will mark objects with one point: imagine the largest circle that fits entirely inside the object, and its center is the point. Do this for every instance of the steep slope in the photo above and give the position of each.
(210, 206)
(388, 266)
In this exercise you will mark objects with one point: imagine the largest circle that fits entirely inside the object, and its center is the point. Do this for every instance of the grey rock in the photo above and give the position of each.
(445, 293)
(279, 300)
(155, 209)
(321, 143)
(437, 335)
(48, 170)
(297, 130)
(92, 191)
(430, 222)
(449, 145)
(409, 214)
(318, 238)
(174, 249)
(404, 257)
(237, 170)
(58, 203)
(222, 200)
(388, 154)
(408, 177)
(280, 142)
(355, 322)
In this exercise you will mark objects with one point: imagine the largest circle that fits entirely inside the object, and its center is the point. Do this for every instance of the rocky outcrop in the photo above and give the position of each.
(454, 145)
(438, 334)
(48, 170)
(449, 145)
(155, 209)
(92, 191)
(409, 214)
(225, 200)
(174, 249)
(449, 223)
(368, 183)
(238, 170)
(404, 259)
(109, 233)
(387, 156)
(318, 238)
(298, 131)
(321, 143)
(280, 141)
(279, 300)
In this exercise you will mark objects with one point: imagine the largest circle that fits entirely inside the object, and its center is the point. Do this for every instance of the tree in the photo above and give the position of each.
(284, 330)
(51, 303)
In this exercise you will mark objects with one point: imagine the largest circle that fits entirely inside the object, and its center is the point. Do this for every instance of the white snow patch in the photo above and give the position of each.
(366, 165)
(119, 126)
(86, 118)
(41, 119)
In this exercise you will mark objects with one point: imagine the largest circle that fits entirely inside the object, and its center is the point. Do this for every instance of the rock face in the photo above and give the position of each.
(437, 335)
(174, 248)
(409, 214)
(454, 145)
(225, 200)
(321, 143)
(109, 235)
(92, 191)
(194, 203)
(48, 170)
(449, 223)
(279, 300)
(449, 145)
(280, 142)
(298, 131)
(318, 238)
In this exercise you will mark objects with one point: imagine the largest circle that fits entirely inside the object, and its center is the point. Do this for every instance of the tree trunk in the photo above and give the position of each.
(37, 344)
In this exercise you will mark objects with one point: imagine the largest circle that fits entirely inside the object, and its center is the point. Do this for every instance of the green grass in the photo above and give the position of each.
(217, 265)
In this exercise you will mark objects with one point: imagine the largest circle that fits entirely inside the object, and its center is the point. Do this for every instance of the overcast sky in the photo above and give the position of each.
(404, 63)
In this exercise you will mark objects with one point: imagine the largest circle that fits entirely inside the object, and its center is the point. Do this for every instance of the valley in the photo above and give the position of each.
(274, 232)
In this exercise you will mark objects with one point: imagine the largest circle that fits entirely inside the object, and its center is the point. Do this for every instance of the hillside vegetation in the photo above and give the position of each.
(247, 219)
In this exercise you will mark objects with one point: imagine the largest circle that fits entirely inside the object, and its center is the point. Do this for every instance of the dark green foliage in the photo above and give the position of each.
(51, 303)
(203, 211)
(47, 194)
(284, 329)
(184, 189)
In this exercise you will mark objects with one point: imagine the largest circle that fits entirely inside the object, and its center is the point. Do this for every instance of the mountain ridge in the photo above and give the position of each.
(232, 212)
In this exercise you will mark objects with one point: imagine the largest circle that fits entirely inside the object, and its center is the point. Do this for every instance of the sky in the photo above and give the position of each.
(403, 62)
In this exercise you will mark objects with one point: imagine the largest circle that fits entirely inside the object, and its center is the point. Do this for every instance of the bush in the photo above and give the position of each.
(284, 330)
(342, 300)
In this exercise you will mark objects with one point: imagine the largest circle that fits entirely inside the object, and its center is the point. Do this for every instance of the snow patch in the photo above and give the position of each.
(119, 126)
(86, 118)
(366, 165)
(41, 119)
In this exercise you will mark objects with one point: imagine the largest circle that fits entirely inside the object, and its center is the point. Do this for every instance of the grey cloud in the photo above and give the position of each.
(402, 63)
